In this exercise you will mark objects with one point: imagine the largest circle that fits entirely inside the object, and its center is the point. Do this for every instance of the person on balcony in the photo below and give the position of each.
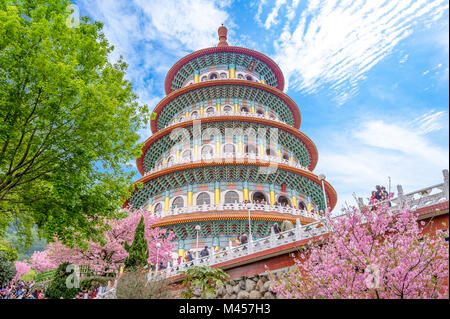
(204, 252)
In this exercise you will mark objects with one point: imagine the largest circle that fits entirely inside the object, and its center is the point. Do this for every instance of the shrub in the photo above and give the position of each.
(133, 285)
(7, 268)
(30, 276)
(58, 287)
(93, 283)
(204, 280)
(138, 251)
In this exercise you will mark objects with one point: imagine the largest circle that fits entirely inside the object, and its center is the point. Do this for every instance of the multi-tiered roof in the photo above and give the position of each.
(218, 89)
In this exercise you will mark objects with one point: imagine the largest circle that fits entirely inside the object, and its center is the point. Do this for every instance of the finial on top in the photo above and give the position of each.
(222, 36)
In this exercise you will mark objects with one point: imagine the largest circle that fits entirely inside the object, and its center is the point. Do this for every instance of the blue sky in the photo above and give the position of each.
(371, 78)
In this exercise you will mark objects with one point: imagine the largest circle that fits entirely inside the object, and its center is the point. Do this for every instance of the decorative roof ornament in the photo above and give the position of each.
(222, 36)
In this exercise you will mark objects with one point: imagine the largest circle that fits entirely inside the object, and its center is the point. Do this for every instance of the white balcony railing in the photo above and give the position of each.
(253, 246)
(206, 114)
(273, 160)
(238, 207)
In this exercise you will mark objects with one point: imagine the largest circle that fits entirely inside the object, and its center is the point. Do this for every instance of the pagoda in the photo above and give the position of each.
(227, 156)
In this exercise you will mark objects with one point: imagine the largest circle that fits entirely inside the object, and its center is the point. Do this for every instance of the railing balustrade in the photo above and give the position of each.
(237, 207)
(253, 246)
(207, 158)
(224, 113)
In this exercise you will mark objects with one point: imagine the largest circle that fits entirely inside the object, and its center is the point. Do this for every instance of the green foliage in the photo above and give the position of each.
(7, 268)
(138, 251)
(8, 250)
(203, 279)
(58, 287)
(134, 285)
(30, 276)
(93, 283)
(68, 119)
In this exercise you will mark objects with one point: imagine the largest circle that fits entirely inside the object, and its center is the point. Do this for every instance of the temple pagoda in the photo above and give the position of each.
(227, 155)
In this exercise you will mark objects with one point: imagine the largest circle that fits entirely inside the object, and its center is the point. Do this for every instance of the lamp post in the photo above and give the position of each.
(158, 245)
(322, 178)
(197, 228)
(249, 225)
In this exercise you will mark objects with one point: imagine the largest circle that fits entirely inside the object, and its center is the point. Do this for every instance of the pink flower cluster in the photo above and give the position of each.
(109, 255)
(371, 254)
(22, 268)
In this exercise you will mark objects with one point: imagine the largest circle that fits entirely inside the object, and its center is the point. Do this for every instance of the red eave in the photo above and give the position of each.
(305, 139)
(177, 66)
(290, 103)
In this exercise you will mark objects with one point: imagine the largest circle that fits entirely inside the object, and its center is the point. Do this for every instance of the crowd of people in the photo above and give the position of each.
(380, 194)
(20, 290)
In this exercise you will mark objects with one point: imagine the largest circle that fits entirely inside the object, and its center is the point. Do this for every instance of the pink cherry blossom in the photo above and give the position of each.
(371, 254)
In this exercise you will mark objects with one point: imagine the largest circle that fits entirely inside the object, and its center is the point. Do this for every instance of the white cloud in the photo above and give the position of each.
(359, 158)
(271, 18)
(336, 43)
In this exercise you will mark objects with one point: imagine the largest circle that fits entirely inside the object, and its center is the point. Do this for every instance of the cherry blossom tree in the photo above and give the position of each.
(110, 254)
(371, 254)
(41, 262)
(22, 268)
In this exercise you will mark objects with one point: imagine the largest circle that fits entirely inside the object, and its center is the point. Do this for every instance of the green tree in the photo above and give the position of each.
(138, 251)
(8, 250)
(7, 268)
(68, 119)
(59, 285)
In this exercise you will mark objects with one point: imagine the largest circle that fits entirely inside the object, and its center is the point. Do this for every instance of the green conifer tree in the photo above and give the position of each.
(138, 251)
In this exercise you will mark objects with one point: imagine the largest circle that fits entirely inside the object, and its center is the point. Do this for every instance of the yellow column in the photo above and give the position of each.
(240, 148)
(267, 113)
(272, 197)
(231, 73)
(261, 150)
(217, 196)
(178, 155)
(294, 201)
(181, 252)
(196, 78)
(218, 107)
(201, 110)
(164, 160)
(190, 198)
(245, 193)
(166, 206)
(187, 114)
(149, 208)
(262, 81)
(252, 109)
(236, 107)
(195, 151)
(218, 148)
(279, 154)
(292, 159)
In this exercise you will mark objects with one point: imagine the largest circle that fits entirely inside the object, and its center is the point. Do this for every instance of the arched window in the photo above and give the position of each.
(181, 118)
(283, 200)
(170, 160)
(259, 197)
(301, 205)
(227, 109)
(157, 208)
(286, 156)
(240, 76)
(213, 76)
(194, 114)
(207, 150)
(250, 149)
(260, 112)
(244, 109)
(204, 78)
(187, 155)
(223, 75)
(178, 202)
(203, 198)
(229, 149)
(231, 197)
(210, 111)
